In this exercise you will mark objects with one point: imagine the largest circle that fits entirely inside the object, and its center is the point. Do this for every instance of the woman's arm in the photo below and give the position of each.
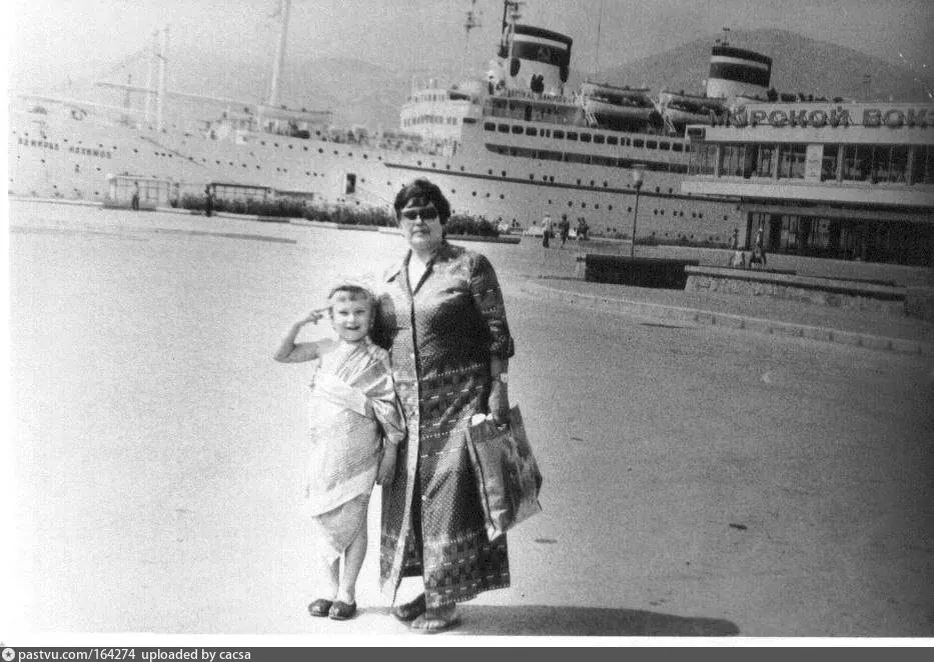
(489, 299)
(290, 351)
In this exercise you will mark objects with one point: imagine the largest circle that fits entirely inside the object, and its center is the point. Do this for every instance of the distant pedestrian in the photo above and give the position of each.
(582, 229)
(208, 201)
(758, 250)
(134, 200)
(737, 257)
(546, 230)
(564, 229)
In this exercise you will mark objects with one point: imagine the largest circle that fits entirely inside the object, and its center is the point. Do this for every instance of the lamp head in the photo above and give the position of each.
(637, 176)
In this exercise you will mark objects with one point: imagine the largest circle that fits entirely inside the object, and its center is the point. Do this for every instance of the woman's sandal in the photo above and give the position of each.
(320, 608)
(410, 610)
(434, 623)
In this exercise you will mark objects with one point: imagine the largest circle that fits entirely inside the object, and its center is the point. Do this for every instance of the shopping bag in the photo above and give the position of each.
(507, 474)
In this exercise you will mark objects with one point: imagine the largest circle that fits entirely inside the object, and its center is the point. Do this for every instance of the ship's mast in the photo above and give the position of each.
(472, 21)
(149, 75)
(160, 92)
(285, 7)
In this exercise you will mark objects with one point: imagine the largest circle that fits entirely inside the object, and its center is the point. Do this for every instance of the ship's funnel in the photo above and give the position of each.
(738, 72)
(538, 60)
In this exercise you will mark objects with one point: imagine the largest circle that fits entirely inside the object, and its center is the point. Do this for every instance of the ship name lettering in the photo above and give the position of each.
(41, 144)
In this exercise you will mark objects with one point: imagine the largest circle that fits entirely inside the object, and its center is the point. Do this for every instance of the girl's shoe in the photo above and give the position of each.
(409, 611)
(341, 611)
(320, 607)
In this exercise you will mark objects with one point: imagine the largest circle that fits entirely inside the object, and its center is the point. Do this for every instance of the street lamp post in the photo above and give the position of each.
(637, 182)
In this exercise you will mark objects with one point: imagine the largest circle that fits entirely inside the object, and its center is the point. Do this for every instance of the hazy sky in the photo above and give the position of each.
(52, 39)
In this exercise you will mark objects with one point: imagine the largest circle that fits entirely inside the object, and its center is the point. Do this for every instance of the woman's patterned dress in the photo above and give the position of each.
(442, 332)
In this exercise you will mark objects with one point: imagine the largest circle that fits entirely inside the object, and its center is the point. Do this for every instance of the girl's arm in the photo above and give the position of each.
(292, 352)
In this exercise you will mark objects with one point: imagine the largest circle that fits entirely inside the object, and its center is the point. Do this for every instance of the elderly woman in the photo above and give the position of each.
(443, 319)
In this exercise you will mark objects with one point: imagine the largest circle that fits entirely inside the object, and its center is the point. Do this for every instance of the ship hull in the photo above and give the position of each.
(490, 175)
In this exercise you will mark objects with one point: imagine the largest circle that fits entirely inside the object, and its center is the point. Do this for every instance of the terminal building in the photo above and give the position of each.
(852, 181)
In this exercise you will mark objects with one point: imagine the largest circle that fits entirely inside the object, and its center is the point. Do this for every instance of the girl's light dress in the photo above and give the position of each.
(353, 406)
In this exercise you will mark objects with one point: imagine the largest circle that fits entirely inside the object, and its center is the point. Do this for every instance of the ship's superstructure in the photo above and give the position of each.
(514, 145)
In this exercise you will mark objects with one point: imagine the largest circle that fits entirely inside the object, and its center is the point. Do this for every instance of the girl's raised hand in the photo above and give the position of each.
(314, 316)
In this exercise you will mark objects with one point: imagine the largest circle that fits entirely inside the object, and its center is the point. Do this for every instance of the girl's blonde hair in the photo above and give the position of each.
(352, 292)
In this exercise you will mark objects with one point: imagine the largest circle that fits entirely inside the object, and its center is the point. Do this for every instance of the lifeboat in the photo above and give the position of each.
(682, 109)
(616, 103)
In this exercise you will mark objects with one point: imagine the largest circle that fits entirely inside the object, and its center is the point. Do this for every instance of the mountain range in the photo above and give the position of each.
(366, 94)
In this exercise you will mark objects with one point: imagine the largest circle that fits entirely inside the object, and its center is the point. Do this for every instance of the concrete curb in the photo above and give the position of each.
(738, 322)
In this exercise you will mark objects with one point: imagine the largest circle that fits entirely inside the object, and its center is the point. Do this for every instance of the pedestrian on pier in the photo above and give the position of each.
(208, 200)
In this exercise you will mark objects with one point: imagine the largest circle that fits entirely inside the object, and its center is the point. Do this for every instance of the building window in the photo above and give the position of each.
(922, 164)
(732, 158)
(765, 161)
(857, 160)
(791, 161)
(828, 168)
(898, 171)
(703, 159)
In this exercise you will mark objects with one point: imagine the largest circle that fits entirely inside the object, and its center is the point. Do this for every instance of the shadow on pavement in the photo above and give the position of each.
(583, 621)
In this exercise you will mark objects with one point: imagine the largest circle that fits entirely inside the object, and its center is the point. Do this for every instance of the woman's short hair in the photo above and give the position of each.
(423, 191)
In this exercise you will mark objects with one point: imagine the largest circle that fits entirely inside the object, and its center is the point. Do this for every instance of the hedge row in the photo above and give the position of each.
(286, 208)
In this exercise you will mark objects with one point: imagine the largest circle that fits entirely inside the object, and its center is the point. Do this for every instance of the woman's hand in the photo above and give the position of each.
(499, 402)
(387, 464)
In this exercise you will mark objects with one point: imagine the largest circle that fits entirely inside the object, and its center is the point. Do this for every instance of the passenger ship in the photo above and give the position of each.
(511, 146)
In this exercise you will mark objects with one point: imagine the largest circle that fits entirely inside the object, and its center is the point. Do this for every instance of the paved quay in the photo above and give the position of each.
(559, 275)
(700, 481)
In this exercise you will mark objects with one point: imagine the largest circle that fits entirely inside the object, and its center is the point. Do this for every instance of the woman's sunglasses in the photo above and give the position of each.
(424, 214)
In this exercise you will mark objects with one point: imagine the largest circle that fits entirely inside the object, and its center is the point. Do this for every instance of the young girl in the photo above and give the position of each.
(353, 404)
